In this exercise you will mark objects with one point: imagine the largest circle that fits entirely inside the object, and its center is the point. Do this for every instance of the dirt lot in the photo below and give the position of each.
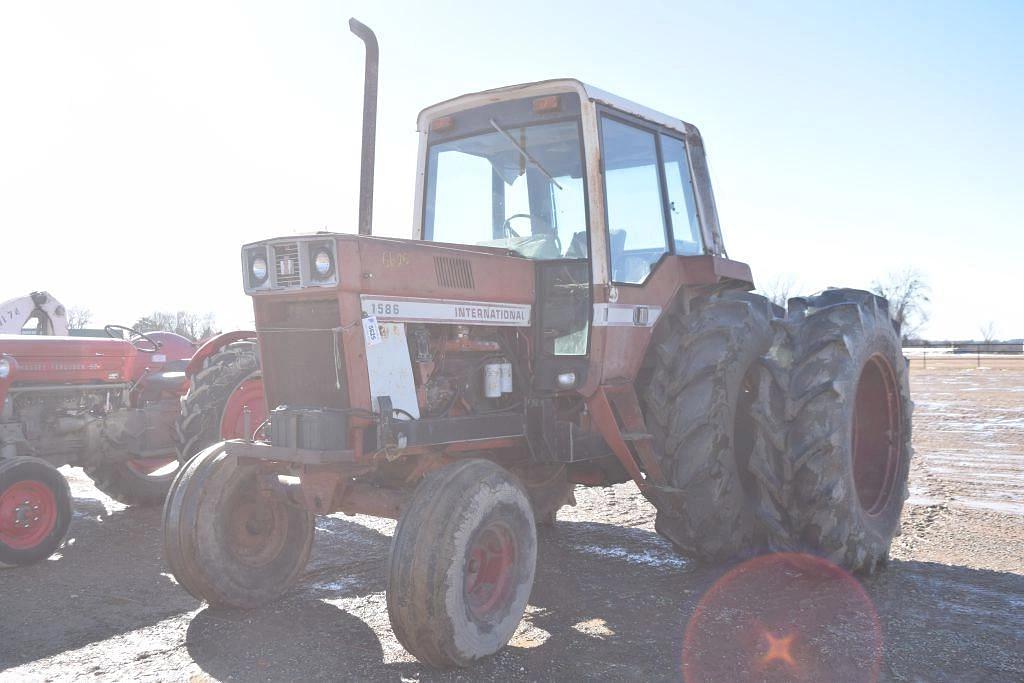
(611, 600)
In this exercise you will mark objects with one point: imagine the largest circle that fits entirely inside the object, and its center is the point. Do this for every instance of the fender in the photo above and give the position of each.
(212, 346)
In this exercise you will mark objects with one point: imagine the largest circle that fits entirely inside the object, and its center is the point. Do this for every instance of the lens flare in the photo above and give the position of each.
(783, 617)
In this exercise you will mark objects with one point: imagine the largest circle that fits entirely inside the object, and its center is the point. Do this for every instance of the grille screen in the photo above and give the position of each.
(286, 260)
(297, 349)
(455, 273)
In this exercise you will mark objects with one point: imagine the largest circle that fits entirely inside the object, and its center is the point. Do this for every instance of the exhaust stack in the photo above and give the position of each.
(369, 124)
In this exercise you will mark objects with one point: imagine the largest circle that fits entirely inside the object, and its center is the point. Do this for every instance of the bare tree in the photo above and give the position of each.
(909, 295)
(195, 326)
(779, 290)
(988, 332)
(78, 317)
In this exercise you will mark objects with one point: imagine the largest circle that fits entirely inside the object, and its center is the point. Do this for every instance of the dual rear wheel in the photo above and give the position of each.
(781, 430)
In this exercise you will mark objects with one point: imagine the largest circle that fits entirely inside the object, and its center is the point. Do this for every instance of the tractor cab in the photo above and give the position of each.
(602, 194)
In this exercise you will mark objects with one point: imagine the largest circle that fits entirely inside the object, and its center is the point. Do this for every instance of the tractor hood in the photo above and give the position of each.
(386, 267)
(67, 359)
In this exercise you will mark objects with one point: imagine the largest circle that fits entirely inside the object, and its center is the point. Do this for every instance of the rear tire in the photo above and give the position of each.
(35, 510)
(129, 482)
(837, 386)
(462, 563)
(696, 406)
(201, 422)
(225, 542)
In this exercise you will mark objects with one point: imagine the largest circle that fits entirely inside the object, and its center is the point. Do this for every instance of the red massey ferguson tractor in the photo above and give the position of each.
(121, 408)
(565, 315)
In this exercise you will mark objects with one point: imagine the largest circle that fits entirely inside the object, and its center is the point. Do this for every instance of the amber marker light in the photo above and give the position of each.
(546, 105)
(442, 124)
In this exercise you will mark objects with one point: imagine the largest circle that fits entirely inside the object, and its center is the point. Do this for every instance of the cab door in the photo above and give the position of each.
(650, 218)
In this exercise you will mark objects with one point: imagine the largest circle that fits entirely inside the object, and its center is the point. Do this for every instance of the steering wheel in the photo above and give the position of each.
(134, 336)
(506, 229)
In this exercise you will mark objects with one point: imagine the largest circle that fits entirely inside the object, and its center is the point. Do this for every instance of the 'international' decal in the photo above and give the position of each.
(447, 311)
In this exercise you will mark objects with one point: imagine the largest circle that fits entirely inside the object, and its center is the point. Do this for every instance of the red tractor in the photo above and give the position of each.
(120, 408)
(565, 314)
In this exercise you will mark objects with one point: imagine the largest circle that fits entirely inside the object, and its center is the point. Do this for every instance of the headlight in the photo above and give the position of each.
(323, 264)
(5, 368)
(259, 269)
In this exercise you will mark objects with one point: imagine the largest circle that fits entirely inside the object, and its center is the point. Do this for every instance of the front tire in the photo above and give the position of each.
(838, 385)
(35, 510)
(225, 542)
(462, 564)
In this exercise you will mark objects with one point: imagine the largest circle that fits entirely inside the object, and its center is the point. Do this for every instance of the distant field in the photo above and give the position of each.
(969, 431)
(944, 359)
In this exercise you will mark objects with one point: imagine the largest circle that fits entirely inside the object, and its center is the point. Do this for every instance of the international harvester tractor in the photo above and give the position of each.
(564, 315)
(121, 408)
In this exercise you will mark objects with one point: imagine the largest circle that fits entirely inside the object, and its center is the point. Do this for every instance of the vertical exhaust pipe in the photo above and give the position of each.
(369, 124)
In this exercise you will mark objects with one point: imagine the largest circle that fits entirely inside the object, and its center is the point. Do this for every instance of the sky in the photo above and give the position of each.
(142, 143)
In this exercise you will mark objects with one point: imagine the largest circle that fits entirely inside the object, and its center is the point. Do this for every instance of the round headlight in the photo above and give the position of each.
(322, 263)
(5, 368)
(259, 268)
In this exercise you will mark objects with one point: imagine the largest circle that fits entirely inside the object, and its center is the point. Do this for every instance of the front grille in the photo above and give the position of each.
(286, 262)
(454, 273)
(298, 352)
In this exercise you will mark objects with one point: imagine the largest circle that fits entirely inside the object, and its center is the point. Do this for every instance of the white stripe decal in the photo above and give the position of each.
(625, 315)
(394, 309)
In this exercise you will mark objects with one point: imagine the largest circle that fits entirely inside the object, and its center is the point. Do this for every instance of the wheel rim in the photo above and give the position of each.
(877, 435)
(490, 567)
(28, 514)
(247, 394)
(257, 531)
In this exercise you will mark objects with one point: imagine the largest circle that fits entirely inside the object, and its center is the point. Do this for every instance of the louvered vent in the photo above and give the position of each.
(286, 260)
(455, 273)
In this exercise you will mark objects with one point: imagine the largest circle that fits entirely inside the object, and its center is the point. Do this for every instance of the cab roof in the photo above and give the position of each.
(539, 88)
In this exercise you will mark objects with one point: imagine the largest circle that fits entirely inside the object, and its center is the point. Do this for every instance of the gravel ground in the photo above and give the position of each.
(611, 601)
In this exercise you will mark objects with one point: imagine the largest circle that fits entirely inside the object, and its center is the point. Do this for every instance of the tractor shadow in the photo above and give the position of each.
(295, 639)
(609, 602)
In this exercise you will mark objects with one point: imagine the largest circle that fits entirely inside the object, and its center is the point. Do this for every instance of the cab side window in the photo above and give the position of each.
(636, 220)
(682, 207)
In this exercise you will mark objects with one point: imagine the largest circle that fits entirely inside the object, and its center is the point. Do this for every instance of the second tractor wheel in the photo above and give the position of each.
(213, 408)
(142, 482)
(35, 510)
(224, 541)
(834, 485)
(461, 564)
(697, 407)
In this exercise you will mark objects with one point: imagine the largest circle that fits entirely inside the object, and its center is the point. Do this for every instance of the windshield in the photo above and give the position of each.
(517, 187)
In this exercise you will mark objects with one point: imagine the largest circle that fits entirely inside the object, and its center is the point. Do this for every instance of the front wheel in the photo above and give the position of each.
(35, 510)
(225, 542)
(461, 564)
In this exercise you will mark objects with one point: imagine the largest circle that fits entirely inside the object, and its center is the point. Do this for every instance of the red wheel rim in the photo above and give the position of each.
(28, 514)
(247, 394)
(490, 569)
(877, 435)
